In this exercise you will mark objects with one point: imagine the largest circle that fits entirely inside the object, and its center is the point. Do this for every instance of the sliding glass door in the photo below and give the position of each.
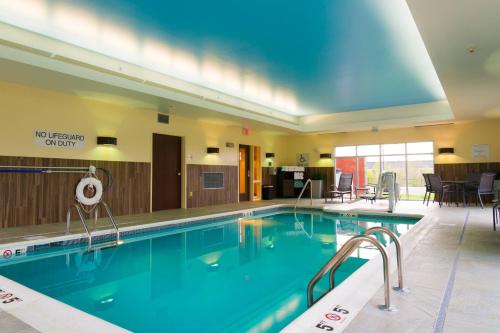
(407, 160)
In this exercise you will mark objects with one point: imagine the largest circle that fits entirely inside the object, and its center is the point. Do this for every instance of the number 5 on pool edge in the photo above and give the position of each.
(321, 325)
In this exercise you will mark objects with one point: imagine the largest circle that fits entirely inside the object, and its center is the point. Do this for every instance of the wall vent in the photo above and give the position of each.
(213, 180)
(163, 118)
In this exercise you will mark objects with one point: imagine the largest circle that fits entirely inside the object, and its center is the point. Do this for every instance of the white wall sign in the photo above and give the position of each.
(480, 151)
(59, 139)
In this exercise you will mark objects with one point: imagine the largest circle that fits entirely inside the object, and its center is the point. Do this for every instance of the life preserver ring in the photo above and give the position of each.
(80, 191)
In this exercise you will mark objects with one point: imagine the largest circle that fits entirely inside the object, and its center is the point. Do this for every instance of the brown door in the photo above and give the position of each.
(166, 172)
(244, 173)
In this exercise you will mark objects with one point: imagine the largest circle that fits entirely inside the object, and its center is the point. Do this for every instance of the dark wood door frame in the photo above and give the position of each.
(246, 195)
(167, 172)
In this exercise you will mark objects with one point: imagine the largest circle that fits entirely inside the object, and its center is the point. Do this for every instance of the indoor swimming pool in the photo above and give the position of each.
(224, 275)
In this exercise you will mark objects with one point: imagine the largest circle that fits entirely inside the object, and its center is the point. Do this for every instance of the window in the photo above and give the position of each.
(407, 160)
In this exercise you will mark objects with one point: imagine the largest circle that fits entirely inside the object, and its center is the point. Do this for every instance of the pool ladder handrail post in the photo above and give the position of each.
(399, 254)
(309, 181)
(82, 220)
(87, 231)
(334, 263)
(113, 222)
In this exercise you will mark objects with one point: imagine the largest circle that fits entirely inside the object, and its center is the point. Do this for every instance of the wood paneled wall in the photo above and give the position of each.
(34, 198)
(198, 197)
(459, 171)
(326, 173)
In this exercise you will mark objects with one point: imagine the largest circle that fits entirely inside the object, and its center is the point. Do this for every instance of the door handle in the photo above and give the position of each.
(178, 173)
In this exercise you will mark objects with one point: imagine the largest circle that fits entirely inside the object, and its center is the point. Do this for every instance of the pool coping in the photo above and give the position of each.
(54, 310)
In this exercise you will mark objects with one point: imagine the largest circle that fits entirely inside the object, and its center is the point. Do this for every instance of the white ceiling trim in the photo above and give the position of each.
(383, 118)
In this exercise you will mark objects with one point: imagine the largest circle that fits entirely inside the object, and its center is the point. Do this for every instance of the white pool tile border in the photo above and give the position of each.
(46, 314)
(175, 222)
(355, 292)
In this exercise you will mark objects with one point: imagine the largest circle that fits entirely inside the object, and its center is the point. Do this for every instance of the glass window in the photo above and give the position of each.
(408, 160)
(369, 150)
(345, 151)
(393, 149)
(420, 147)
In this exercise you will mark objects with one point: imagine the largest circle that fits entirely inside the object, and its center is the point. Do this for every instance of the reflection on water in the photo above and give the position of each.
(247, 275)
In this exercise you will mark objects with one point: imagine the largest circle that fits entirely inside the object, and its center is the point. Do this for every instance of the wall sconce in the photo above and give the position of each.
(269, 155)
(107, 140)
(446, 150)
(212, 150)
(325, 155)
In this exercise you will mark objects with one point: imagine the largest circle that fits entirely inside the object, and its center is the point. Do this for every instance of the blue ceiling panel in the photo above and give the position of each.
(335, 55)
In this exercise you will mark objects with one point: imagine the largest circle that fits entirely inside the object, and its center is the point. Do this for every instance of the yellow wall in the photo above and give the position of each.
(24, 109)
(460, 136)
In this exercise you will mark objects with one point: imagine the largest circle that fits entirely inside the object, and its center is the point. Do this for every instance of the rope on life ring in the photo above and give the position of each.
(86, 183)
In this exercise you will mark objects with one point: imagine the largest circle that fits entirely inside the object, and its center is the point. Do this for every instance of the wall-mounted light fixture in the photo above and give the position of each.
(269, 155)
(447, 150)
(212, 150)
(325, 155)
(107, 140)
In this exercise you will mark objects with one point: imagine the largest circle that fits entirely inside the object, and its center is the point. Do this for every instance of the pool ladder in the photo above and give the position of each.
(81, 216)
(343, 254)
(309, 181)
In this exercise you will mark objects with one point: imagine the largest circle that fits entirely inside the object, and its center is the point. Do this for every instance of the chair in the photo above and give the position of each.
(485, 187)
(344, 187)
(496, 213)
(427, 186)
(438, 189)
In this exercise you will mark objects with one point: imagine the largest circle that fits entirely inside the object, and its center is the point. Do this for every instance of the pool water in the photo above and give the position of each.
(246, 275)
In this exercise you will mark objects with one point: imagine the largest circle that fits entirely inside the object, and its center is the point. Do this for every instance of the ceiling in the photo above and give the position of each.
(321, 66)
(451, 29)
(314, 57)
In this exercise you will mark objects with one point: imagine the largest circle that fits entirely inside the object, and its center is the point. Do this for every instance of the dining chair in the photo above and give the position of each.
(440, 191)
(496, 213)
(427, 186)
(485, 187)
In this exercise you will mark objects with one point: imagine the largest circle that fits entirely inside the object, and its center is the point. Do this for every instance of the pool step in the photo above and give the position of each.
(105, 245)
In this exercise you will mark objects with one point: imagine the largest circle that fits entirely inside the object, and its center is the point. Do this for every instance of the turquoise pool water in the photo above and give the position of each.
(229, 275)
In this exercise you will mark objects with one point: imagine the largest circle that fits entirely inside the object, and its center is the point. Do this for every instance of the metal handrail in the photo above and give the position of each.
(309, 181)
(345, 251)
(399, 253)
(113, 222)
(82, 219)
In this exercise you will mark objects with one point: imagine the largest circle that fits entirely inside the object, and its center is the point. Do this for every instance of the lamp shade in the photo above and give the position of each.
(325, 155)
(212, 150)
(447, 150)
(269, 155)
(107, 140)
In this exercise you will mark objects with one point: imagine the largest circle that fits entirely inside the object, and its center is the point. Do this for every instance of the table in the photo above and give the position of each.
(459, 186)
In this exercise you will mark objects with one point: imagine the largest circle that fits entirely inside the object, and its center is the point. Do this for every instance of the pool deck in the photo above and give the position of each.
(452, 272)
